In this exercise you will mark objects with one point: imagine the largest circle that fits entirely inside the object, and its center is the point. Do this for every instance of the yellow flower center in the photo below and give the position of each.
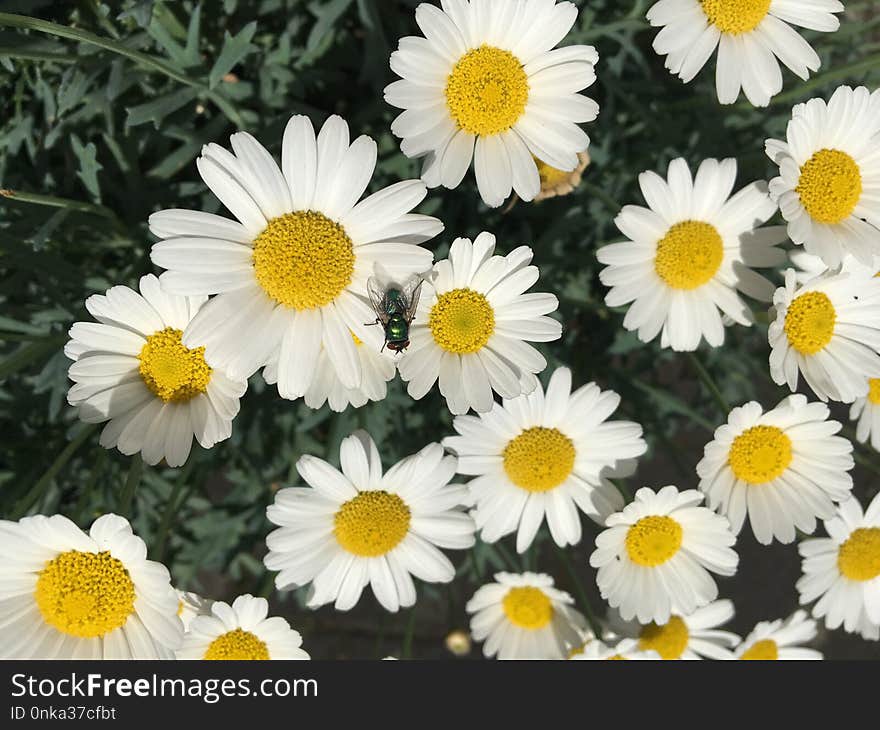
(487, 91)
(760, 454)
(550, 176)
(762, 650)
(237, 645)
(539, 459)
(874, 391)
(85, 594)
(735, 16)
(859, 557)
(669, 640)
(372, 523)
(616, 658)
(653, 540)
(528, 607)
(462, 321)
(689, 255)
(830, 186)
(303, 260)
(170, 370)
(809, 322)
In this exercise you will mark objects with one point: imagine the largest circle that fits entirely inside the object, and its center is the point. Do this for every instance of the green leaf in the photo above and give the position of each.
(88, 165)
(327, 13)
(156, 110)
(235, 48)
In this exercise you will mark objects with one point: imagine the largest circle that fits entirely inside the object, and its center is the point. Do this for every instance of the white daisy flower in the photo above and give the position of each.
(690, 254)
(241, 631)
(806, 266)
(843, 570)
(132, 369)
(866, 412)
(522, 616)
(828, 330)
(484, 84)
(356, 527)
(471, 327)
(546, 456)
(190, 605)
(828, 187)
(780, 639)
(624, 649)
(656, 555)
(66, 594)
(783, 468)
(694, 636)
(291, 273)
(378, 368)
(752, 37)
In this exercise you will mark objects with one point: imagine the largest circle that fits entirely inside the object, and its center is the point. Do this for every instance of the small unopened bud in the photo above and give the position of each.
(459, 643)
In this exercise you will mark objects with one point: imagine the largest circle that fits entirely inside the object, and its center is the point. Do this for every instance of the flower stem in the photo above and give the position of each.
(580, 592)
(709, 383)
(135, 470)
(406, 651)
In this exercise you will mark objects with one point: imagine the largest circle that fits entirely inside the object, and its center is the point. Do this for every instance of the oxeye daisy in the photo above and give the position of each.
(241, 631)
(843, 570)
(783, 468)
(750, 36)
(66, 594)
(656, 555)
(191, 605)
(545, 456)
(694, 636)
(132, 369)
(522, 616)
(555, 182)
(291, 272)
(356, 527)
(828, 330)
(829, 175)
(484, 84)
(471, 327)
(624, 649)
(690, 254)
(866, 412)
(780, 639)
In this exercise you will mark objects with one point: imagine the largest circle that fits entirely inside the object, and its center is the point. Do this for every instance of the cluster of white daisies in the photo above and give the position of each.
(282, 288)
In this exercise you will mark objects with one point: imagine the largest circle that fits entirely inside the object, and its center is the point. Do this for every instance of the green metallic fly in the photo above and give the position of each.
(395, 307)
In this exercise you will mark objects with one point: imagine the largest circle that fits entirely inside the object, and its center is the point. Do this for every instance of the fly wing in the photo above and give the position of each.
(411, 293)
(377, 298)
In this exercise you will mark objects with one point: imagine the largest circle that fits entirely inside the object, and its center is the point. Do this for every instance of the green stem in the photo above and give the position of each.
(597, 192)
(131, 483)
(172, 508)
(833, 75)
(709, 383)
(673, 403)
(55, 202)
(406, 652)
(512, 564)
(45, 56)
(87, 488)
(580, 592)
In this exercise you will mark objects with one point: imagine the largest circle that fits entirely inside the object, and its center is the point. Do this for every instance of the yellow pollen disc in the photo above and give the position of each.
(809, 322)
(859, 557)
(760, 454)
(303, 260)
(762, 650)
(237, 645)
(669, 640)
(462, 321)
(874, 391)
(539, 459)
(735, 16)
(653, 540)
(372, 523)
(830, 186)
(689, 255)
(487, 91)
(528, 608)
(85, 594)
(170, 370)
(616, 658)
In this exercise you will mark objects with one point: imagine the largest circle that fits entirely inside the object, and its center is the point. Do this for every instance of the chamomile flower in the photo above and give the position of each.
(241, 631)
(483, 84)
(750, 36)
(471, 326)
(132, 369)
(356, 527)
(555, 182)
(828, 330)
(780, 639)
(66, 594)
(291, 272)
(656, 555)
(545, 456)
(191, 605)
(843, 570)
(866, 412)
(377, 366)
(829, 175)
(694, 636)
(522, 616)
(783, 468)
(624, 649)
(691, 254)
